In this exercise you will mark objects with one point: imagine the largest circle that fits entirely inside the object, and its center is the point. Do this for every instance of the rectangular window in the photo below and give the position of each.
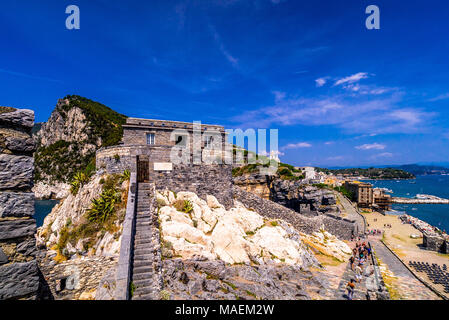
(150, 138)
(181, 140)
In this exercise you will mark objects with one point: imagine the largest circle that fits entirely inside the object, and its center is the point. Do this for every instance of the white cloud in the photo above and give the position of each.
(440, 97)
(328, 143)
(385, 154)
(355, 115)
(373, 146)
(335, 158)
(297, 145)
(320, 82)
(232, 60)
(352, 79)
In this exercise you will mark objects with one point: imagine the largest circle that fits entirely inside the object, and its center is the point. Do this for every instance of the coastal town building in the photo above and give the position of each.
(362, 193)
(381, 200)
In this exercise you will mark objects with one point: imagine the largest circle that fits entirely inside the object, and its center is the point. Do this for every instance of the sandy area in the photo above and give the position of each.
(408, 249)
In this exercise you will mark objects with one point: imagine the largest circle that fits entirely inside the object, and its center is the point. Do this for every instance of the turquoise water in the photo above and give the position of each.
(42, 209)
(434, 214)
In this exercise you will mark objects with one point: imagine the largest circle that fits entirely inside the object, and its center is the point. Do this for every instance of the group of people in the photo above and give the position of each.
(374, 232)
(360, 255)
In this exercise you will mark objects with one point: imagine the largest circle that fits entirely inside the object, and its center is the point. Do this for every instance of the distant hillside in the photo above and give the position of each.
(371, 173)
(67, 142)
(424, 169)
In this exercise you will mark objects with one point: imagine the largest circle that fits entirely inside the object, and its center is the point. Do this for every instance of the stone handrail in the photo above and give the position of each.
(123, 272)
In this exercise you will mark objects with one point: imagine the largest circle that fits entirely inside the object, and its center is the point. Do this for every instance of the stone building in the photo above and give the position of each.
(381, 200)
(19, 273)
(178, 156)
(362, 193)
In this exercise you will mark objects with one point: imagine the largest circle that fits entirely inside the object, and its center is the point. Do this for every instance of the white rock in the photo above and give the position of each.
(212, 202)
(188, 232)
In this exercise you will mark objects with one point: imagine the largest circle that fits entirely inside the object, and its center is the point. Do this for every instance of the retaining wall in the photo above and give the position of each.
(342, 228)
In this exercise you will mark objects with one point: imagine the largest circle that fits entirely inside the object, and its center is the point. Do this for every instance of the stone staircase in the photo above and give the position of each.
(146, 264)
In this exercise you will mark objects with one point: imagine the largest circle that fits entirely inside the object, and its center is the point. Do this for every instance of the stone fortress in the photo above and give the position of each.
(147, 151)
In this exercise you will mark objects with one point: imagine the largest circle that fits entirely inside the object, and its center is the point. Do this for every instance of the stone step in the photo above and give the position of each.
(140, 270)
(142, 276)
(143, 291)
(143, 257)
(142, 263)
(138, 252)
(143, 246)
(144, 283)
(143, 223)
(142, 237)
(143, 241)
(143, 297)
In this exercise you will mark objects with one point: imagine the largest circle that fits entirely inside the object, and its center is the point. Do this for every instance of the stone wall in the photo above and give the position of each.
(77, 279)
(339, 227)
(204, 179)
(215, 180)
(435, 242)
(19, 273)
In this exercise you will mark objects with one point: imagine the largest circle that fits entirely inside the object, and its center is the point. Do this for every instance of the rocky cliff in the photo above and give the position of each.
(19, 274)
(76, 250)
(213, 253)
(68, 140)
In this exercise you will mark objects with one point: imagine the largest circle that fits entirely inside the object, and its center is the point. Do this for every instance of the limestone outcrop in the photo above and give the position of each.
(234, 236)
(19, 274)
(214, 253)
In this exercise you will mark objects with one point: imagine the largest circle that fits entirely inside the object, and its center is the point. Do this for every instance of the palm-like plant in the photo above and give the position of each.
(103, 207)
(79, 180)
(125, 176)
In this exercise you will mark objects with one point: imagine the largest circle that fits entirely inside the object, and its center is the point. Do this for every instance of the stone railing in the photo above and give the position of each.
(123, 272)
(382, 292)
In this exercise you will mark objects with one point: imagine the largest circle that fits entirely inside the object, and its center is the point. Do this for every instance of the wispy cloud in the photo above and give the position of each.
(372, 146)
(298, 145)
(320, 82)
(335, 158)
(232, 60)
(353, 115)
(29, 76)
(352, 79)
(440, 97)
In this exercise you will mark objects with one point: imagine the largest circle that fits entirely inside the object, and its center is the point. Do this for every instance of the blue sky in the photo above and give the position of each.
(340, 95)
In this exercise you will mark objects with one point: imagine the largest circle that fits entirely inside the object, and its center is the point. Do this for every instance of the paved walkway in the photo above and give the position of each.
(350, 212)
(401, 281)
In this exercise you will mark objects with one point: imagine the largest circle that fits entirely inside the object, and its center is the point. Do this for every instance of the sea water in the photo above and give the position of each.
(42, 208)
(435, 214)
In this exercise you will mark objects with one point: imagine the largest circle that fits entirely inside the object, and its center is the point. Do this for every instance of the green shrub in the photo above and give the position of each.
(183, 206)
(126, 176)
(103, 207)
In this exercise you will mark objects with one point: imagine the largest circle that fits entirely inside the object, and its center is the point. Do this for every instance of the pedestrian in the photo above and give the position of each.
(358, 272)
(350, 287)
(351, 260)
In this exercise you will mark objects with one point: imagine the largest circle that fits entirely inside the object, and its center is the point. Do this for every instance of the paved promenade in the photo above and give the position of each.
(400, 279)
